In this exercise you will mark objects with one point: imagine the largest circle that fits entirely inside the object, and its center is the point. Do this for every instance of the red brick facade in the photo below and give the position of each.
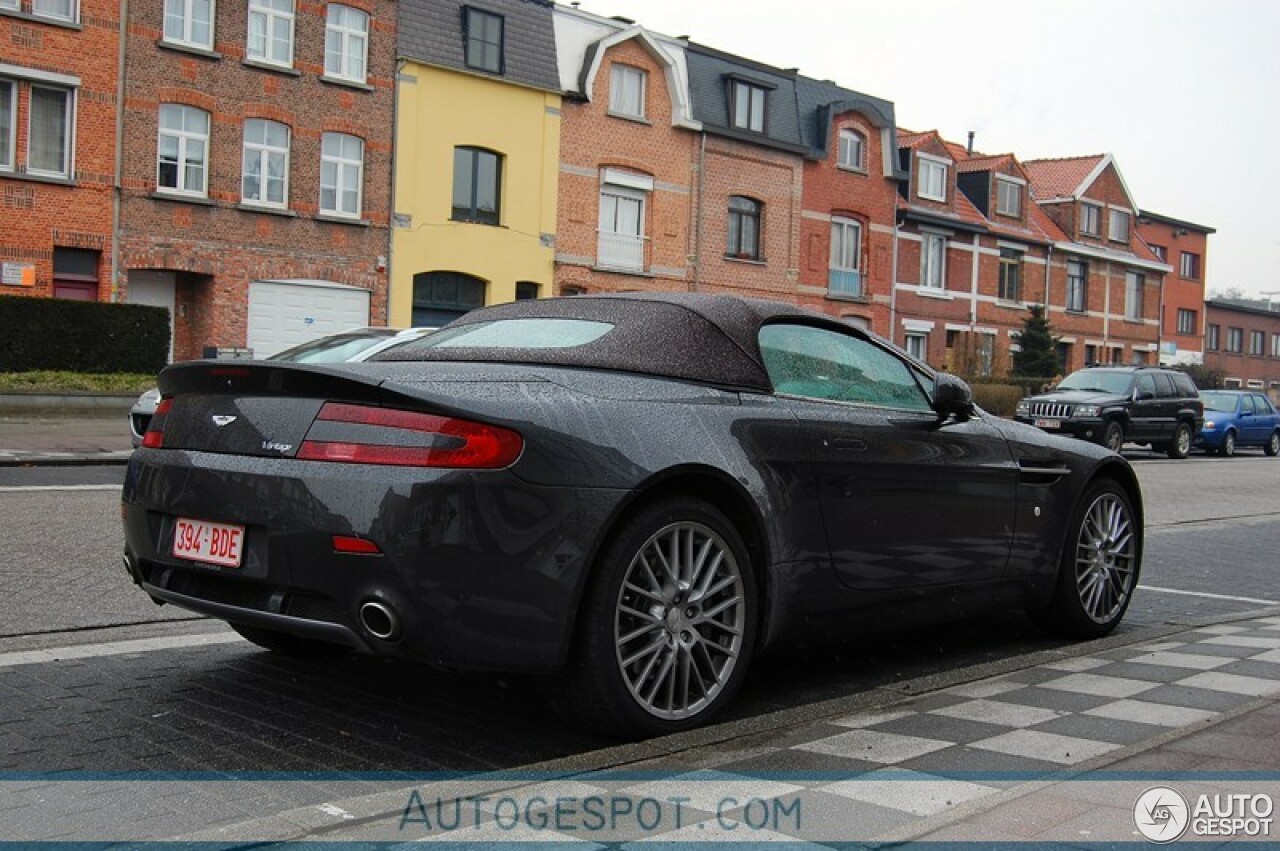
(213, 247)
(1242, 344)
(48, 206)
(1183, 246)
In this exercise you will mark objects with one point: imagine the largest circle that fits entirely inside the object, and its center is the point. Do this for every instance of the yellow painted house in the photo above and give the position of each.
(477, 154)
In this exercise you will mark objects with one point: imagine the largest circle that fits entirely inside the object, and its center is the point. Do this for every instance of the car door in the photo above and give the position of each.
(1144, 411)
(1254, 426)
(906, 500)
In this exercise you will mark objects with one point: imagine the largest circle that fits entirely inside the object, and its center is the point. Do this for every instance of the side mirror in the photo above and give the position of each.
(952, 397)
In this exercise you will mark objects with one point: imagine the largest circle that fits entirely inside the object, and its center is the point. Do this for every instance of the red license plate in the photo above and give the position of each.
(212, 543)
(1048, 423)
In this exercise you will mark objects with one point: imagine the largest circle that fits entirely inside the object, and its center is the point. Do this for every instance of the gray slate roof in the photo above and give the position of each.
(821, 100)
(709, 73)
(431, 31)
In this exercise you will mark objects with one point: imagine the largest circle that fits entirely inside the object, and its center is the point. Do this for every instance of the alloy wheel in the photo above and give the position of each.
(1105, 558)
(680, 620)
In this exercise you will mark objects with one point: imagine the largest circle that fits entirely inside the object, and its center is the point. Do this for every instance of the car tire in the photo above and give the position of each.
(1099, 566)
(293, 646)
(1180, 446)
(1112, 435)
(1228, 447)
(1272, 446)
(666, 627)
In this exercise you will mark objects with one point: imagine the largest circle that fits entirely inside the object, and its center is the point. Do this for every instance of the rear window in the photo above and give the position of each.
(541, 333)
(1224, 402)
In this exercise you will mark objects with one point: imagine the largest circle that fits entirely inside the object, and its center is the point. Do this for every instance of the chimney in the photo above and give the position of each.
(969, 147)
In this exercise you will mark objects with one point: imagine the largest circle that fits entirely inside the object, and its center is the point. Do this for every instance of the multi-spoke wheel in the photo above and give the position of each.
(1180, 446)
(1228, 447)
(1100, 563)
(1113, 436)
(1272, 446)
(667, 624)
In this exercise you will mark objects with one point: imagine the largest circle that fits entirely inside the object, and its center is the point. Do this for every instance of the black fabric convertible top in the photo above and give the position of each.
(706, 338)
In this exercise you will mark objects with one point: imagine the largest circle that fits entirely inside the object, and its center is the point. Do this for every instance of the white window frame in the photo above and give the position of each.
(930, 264)
(1186, 313)
(268, 15)
(68, 131)
(1189, 259)
(610, 196)
(1087, 207)
(916, 344)
(184, 138)
(9, 142)
(757, 106)
(11, 4)
(1275, 345)
(1005, 185)
(1115, 216)
(627, 89)
(345, 171)
(1010, 264)
(184, 11)
(1257, 343)
(846, 256)
(933, 170)
(1079, 282)
(264, 152)
(851, 150)
(73, 15)
(1133, 284)
(352, 43)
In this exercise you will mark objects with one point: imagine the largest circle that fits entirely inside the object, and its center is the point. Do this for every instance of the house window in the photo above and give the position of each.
(1275, 345)
(933, 179)
(622, 214)
(265, 176)
(986, 353)
(1090, 219)
(346, 43)
(75, 273)
(1186, 321)
(1257, 343)
(1235, 340)
(1118, 231)
(183, 150)
(10, 4)
(477, 184)
(852, 153)
(1160, 252)
(748, 106)
(845, 275)
(1077, 285)
(49, 132)
(1190, 267)
(1132, 295)
(483, 36)
(8, 109)
(1211, 337)
(744, 228)
(626, 91)
(62, 10)
(526, 290)
(918, 346)
(441, 297)
(1010, 275)
(271, 31)
(1008, 197)
(189, 22)
(933, 261)
(341, 175)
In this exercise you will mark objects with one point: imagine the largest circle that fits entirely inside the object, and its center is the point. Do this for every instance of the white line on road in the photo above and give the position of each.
(1210, 596)
(34, 488)
(113, 648)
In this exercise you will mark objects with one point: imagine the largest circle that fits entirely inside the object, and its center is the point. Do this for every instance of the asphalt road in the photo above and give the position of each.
(1212, 548)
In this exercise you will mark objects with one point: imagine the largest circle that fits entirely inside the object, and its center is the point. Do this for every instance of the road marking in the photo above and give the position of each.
(1254, 600)
(113, 648)
(36, 488)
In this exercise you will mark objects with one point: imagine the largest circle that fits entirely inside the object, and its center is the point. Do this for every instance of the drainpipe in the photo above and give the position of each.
(893, 284)
(118, 182)
(697, 241)
(975, 267)
(1160, 326)
(391, 214)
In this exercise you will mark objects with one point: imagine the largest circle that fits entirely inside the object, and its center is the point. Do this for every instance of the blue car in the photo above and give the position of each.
(1235, 418)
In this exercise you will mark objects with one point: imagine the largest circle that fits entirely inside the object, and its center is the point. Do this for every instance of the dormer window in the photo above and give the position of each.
(748, 106)
(483, 37)
(933, 178)
(852, 153)
(626, 91)
(1118, 231)
(1090, 219)
(1008, 197)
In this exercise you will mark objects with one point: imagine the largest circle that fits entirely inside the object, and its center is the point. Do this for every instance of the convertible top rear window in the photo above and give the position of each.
(540, 333)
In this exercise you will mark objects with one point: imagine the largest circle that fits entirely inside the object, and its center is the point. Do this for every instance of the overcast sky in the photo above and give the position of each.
(1184, 93)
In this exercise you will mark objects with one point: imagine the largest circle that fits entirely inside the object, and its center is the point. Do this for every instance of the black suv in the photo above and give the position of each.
(1112, 405)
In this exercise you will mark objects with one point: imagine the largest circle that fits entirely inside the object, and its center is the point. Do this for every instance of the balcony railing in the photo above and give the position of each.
(845, 282)
(621, 251)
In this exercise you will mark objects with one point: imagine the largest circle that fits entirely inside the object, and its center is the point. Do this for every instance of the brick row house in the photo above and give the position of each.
(59, 80)
(1183, 246)
(1242, 343)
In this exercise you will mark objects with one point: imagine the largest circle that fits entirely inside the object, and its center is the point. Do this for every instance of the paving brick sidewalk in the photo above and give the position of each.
(64, 439)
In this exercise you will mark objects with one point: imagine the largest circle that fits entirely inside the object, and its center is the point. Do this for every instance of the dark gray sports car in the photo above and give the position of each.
(632, 494)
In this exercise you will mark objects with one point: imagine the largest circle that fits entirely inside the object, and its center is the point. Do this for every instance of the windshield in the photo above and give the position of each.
(1222, 402)
(338, 348)
(1097, 381)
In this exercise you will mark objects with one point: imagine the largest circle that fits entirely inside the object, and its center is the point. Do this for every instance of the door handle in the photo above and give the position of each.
(851, 444)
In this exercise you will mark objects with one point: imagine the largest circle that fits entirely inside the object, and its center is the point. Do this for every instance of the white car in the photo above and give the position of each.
(347, 347)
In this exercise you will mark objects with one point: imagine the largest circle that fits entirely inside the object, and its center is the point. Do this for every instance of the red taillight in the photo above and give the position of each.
(154, 438)
(453, 442)
(355, 546)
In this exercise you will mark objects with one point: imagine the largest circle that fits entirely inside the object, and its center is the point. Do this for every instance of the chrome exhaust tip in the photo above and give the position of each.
(379, 620)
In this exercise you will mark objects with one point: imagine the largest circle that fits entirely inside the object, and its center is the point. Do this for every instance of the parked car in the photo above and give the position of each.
(1236, 418)
(630, 494)
(349, 346)
(1114, 405)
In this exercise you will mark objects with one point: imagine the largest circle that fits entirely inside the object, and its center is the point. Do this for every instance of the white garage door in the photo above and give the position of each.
(286, 313)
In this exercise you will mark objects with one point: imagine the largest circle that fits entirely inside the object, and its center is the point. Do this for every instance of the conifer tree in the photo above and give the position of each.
(1038, 357)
